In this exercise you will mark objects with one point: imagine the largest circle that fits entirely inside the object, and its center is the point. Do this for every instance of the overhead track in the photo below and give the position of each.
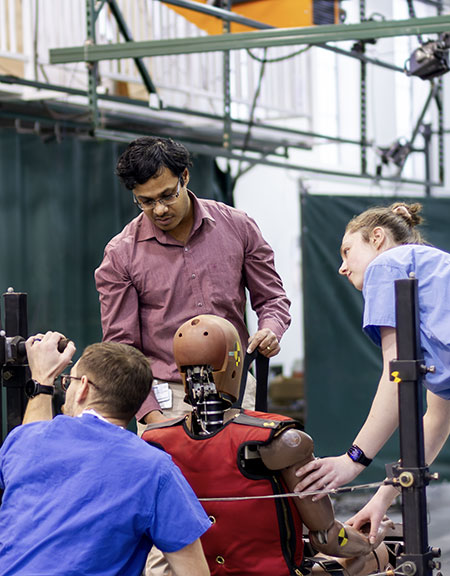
(249, 40)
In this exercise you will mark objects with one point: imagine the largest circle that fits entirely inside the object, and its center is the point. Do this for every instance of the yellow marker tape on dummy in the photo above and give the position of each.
(342, 537)
(236, 353)
(395, 376)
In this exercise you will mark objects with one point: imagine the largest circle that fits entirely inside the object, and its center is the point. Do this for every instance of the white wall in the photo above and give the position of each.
(271, 197)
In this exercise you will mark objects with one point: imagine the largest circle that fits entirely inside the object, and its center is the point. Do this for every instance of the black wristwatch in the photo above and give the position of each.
(357, 455)
(33, 388)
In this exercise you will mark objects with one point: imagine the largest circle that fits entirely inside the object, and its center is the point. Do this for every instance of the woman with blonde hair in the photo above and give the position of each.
(380, 246)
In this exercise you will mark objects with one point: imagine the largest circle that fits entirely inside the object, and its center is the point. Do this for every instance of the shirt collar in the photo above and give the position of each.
(147, 229)
(93, 412)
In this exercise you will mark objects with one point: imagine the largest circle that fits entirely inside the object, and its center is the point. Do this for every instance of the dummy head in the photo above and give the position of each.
(210, 341)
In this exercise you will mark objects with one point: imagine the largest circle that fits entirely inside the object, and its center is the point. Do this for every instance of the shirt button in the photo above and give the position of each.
(199, 304)
(186, 249)
(193, 276)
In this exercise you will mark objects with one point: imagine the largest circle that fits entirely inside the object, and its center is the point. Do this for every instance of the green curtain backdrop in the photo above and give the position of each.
(342, 366)
(60, 203)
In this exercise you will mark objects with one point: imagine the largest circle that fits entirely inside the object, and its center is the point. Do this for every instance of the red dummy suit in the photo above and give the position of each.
(227, 453)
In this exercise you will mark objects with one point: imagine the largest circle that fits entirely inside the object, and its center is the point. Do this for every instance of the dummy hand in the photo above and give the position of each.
(46, 362)
(266, 342)
(374, 512)
(326, 473)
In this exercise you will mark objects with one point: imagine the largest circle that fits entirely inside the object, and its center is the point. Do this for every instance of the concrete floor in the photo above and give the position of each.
(438, 500)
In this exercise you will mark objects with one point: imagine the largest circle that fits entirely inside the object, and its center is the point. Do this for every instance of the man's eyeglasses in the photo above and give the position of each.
(167, 200)
(66, 379)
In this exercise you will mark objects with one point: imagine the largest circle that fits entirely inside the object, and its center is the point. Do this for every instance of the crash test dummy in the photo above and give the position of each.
(241, 463)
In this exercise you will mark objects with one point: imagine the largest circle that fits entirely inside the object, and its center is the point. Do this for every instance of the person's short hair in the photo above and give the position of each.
(146, 158)
(121, 374)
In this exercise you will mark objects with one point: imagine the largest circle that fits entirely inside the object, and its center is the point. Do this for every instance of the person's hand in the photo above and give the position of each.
(374, 513)
(45, 361)
(266, 342)
(326, 474)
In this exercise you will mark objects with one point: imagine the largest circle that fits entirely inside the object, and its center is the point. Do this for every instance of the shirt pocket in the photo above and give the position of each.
(225, 275)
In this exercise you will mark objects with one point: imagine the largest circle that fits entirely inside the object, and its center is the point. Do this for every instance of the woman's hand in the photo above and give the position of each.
(374, 512)
(326, 473)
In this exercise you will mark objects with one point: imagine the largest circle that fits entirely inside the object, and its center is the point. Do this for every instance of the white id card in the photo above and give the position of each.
(163, 394)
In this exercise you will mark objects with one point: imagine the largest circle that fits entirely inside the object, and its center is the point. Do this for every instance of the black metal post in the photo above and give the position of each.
(412, 473)
(13, 375)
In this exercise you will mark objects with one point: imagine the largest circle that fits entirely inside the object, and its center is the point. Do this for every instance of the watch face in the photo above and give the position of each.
(31, 387)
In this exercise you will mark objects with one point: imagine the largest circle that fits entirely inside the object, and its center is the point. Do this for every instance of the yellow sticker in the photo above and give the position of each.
(342, 537)
(236, 353)
(395, 376)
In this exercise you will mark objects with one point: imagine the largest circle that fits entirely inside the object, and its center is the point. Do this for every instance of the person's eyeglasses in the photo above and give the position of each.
(167, 200)
(66, 379)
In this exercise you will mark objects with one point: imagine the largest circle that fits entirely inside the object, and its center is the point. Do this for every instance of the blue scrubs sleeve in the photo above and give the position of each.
(179, 517)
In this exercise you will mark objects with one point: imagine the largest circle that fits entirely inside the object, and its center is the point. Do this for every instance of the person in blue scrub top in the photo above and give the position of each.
(380, 246)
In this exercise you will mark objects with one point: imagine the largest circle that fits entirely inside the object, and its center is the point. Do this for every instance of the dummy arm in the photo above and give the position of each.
(287, 452)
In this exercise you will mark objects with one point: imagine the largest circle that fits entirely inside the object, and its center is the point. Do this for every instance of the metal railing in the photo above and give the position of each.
(28, 30)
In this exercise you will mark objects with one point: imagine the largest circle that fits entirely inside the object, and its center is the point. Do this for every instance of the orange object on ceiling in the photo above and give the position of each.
(277, 13)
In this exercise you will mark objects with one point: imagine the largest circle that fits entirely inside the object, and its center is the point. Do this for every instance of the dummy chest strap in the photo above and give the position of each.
(262, 376)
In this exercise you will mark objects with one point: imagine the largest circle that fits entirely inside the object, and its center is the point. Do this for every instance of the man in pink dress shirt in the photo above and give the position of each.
(182, 256)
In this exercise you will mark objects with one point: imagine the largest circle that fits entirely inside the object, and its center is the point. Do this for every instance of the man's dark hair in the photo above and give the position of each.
(146, 158)
(121, 374)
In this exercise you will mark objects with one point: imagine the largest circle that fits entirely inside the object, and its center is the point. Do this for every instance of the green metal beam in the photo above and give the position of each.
(257, 39)
(220, 152)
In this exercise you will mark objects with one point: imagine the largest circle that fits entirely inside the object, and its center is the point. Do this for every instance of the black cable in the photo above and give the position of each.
(281, 58)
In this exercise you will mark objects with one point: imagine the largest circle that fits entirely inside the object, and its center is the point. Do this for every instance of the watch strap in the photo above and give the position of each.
(34, 388)
(357, 455)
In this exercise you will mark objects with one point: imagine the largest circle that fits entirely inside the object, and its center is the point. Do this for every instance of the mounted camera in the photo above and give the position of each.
(430, 60)
(396, 153)
(14, 369)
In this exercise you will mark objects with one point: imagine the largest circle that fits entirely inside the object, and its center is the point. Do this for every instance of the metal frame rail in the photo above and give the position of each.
(266, 36)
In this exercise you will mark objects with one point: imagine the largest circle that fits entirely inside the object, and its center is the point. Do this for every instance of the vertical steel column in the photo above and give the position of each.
(92, 67)
(227, 126)
(440, 102)
(441, 153)
(363, 96)
(426, 134)
(413, 474)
